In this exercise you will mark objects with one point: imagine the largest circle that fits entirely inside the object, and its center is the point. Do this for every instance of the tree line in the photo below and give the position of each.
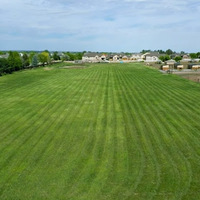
(17, 61)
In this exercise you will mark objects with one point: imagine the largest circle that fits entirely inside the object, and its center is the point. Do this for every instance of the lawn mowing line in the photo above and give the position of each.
(122, 148)
(19, 114)
(105, 164)
(185, 120)
(100, 135)
(86, 171)
(178, 104)
(183, 155)
(128, 145)
(16, 130)
(147, 145)
(69, 116)
(182, 97)
(35, 114)
(180, 145)
(80, 153)
(31, 94)
(79, 109)
(118, 173)
(82, 98)
(187, 164)
(142, 98)
(128, 107)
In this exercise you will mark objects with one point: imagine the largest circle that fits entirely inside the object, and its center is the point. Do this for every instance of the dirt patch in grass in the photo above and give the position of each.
(48, 68)
(190, 75)
(72, 67)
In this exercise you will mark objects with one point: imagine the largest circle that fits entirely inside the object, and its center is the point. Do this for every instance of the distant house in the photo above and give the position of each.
(180, 67)
(186, 58)
(165, 67)
(115, 57)
(125, 57)
(136, 57)
(4, 55)
(171, 63)
(151, 57)
(94, 57)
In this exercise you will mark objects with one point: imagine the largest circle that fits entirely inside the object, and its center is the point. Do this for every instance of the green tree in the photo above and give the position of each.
(65, 57)
(145, 51)
(14, 60)
(164, 58)
(79, 55)
(34, 61)
(56, 56)
(44, 57)
(177, 58)
(25, 60)
(193, 55)
(71, 56)
(4, 66)
(169, 52)
(31, 56)
(182, 52)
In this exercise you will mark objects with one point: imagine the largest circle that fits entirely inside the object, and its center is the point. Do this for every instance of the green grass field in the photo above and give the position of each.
(106, 131)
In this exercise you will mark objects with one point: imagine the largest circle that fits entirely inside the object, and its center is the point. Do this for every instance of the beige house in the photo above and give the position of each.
(94, 57)
(165, 67)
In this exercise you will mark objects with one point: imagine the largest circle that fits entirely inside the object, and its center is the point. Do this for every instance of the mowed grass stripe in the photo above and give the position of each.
(83, 153)
(149, 164)
(142, 101)
(75, 158)
(39, 112)
(112, 131)
(37, 90)
(40, 130)
(189, 176)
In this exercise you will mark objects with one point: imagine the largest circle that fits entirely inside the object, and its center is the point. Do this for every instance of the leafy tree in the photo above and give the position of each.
(44, 57)
(56, 56)
(71, 56)
(169, 52)
(34, 61)
(4, 66)
(145, 51)
(198, 54)
(177, 58)
(14, 60)
(193, 55)
(160, 51)
(182, 52)
(25, 60)
(164, 58)
(31, 56)
(79, 55)
(65, 57)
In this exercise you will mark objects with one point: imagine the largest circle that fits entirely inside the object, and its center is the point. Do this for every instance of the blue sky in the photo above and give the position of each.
(106, 25)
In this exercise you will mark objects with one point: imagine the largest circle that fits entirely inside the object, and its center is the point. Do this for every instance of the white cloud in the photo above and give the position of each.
(99, 25)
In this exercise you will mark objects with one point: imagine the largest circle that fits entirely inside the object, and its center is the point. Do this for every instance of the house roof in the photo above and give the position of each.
(92, 54)
(4, 56)
(170, 61)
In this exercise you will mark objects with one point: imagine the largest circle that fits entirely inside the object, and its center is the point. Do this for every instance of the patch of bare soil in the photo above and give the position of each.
(190, 75)
(73, 67)
(48, 68)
